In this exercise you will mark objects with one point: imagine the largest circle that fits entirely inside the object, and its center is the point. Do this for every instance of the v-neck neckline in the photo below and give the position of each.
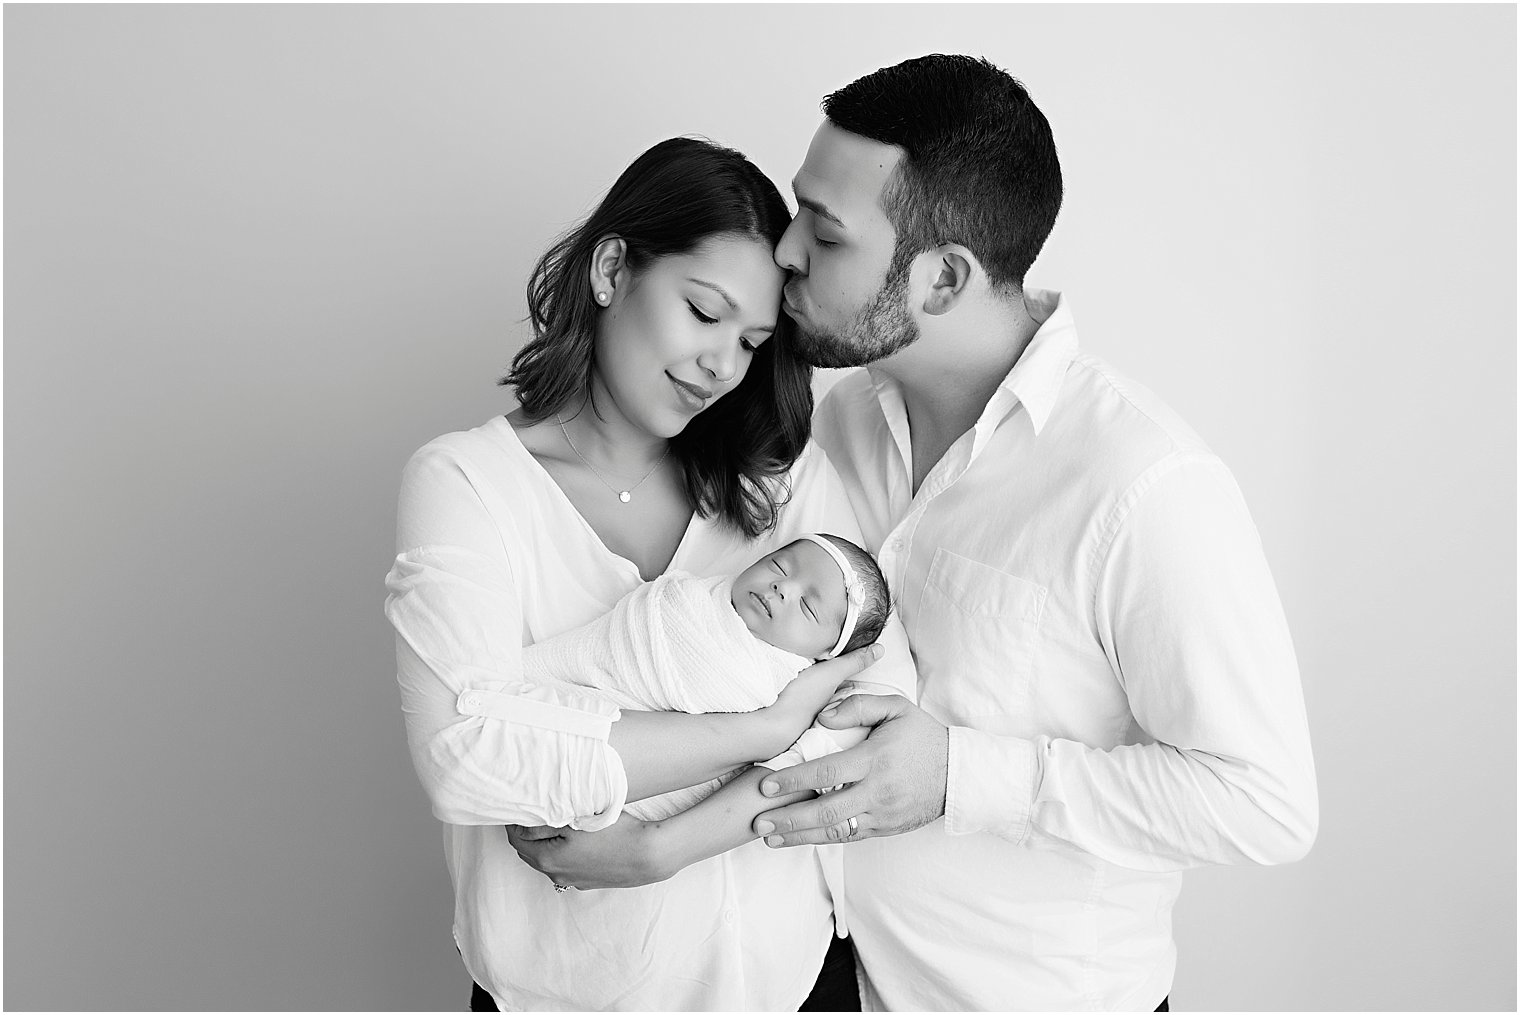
(516, 443)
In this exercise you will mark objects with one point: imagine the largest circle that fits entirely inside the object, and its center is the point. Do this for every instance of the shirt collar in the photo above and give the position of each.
(1035, 380)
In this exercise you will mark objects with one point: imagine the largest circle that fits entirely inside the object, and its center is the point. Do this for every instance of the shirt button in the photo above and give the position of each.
(728, 916)
(471, 700)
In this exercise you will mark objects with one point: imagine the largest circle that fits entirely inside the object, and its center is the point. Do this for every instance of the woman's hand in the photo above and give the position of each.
(780, 724)
(625, 854)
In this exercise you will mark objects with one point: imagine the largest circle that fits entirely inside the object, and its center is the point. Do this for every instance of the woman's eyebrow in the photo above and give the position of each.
(715, 287)
(732, 303)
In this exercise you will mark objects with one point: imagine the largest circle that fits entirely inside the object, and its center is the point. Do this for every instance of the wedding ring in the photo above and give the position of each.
(854, 826)
(561, 888)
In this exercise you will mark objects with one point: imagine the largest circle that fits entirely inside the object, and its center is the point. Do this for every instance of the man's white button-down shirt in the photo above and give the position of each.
(1092, 615)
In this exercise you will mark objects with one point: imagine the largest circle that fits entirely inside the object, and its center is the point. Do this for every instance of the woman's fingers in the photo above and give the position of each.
(811, 689)
(531, 833)
(846, 667)
(860, 659)
(863, 710)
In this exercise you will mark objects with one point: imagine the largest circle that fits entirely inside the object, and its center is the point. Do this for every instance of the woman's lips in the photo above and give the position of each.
(693, 396)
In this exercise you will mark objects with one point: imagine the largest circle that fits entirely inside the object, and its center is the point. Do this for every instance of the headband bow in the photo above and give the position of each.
(854, 598)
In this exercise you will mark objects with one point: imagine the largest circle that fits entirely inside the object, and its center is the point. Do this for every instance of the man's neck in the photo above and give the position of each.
(948, 378)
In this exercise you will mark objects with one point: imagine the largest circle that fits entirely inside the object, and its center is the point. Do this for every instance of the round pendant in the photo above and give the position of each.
(625, 496)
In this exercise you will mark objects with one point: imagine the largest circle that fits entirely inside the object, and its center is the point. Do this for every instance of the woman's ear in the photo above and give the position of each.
(608, 259)
(950, 269)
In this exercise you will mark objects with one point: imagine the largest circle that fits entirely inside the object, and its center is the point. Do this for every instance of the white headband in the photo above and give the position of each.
(852, 593)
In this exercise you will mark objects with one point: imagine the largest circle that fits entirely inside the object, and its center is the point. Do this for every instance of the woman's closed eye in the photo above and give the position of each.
(696, 312)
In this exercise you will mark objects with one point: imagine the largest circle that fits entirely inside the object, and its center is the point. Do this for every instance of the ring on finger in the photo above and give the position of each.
(854, 824)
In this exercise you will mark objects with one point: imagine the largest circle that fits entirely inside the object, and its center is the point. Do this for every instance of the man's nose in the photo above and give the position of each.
(791, 252)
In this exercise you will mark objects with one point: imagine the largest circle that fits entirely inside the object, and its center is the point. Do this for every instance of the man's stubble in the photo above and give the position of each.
(882, 327)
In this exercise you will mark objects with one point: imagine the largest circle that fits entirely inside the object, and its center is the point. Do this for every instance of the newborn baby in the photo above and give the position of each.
(726, 644)
(816, 597)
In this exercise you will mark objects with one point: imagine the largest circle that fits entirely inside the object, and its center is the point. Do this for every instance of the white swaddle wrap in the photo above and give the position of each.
(673, 644)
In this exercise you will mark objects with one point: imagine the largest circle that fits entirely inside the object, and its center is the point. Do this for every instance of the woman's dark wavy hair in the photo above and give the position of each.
(735, 454)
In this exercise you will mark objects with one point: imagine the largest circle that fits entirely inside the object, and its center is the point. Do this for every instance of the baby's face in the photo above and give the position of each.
(793, 599)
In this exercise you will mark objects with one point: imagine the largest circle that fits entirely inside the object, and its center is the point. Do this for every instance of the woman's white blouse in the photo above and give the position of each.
(492, 557)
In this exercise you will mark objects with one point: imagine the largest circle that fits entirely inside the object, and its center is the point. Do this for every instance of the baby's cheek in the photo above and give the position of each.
(820, 648)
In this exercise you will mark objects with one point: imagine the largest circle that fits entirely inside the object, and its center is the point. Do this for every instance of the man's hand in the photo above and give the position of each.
(896, 777)
(622, 855)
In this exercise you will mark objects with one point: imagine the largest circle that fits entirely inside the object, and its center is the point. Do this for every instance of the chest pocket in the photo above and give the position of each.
(976, 635)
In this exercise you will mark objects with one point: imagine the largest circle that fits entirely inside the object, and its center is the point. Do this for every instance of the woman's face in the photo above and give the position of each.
(681, 334)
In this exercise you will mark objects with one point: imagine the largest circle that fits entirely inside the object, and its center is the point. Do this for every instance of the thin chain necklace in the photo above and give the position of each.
(623, 495)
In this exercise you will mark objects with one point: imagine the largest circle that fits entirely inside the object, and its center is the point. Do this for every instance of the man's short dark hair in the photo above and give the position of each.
(980, 167)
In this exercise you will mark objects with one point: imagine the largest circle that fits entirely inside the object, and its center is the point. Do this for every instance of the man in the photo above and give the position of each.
(1108, 690)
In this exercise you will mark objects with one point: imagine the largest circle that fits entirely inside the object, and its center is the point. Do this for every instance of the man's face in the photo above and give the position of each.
(845, 290)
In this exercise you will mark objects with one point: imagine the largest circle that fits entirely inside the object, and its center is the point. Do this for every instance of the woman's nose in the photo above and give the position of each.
(721, 363)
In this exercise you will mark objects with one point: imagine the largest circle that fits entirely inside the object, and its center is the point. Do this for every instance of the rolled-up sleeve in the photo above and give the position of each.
(488, 747)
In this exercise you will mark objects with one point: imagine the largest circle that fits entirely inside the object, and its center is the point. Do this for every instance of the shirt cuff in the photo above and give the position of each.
(586, 774)
(579, 715)
(609, 782)
(991, 784)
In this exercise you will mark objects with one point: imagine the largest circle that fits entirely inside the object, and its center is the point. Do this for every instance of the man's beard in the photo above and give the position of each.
(883, 327)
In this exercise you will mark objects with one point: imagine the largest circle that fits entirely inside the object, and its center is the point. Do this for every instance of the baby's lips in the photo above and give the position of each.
(763, 604)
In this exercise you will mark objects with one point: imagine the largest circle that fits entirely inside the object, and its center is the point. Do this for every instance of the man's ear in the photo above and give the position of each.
(951, 267)
(608, 259)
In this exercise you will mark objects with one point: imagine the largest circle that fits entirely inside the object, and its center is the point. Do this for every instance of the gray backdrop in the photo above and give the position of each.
(256, 255)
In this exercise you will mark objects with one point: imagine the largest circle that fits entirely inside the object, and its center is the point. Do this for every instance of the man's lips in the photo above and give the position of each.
(763, 604)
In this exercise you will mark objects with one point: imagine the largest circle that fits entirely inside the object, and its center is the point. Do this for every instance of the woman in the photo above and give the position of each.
(663, 423)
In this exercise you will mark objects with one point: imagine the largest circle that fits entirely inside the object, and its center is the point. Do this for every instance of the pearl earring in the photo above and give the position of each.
(601, 297)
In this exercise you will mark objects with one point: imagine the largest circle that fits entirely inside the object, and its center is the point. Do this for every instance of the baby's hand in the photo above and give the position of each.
(808, 693)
